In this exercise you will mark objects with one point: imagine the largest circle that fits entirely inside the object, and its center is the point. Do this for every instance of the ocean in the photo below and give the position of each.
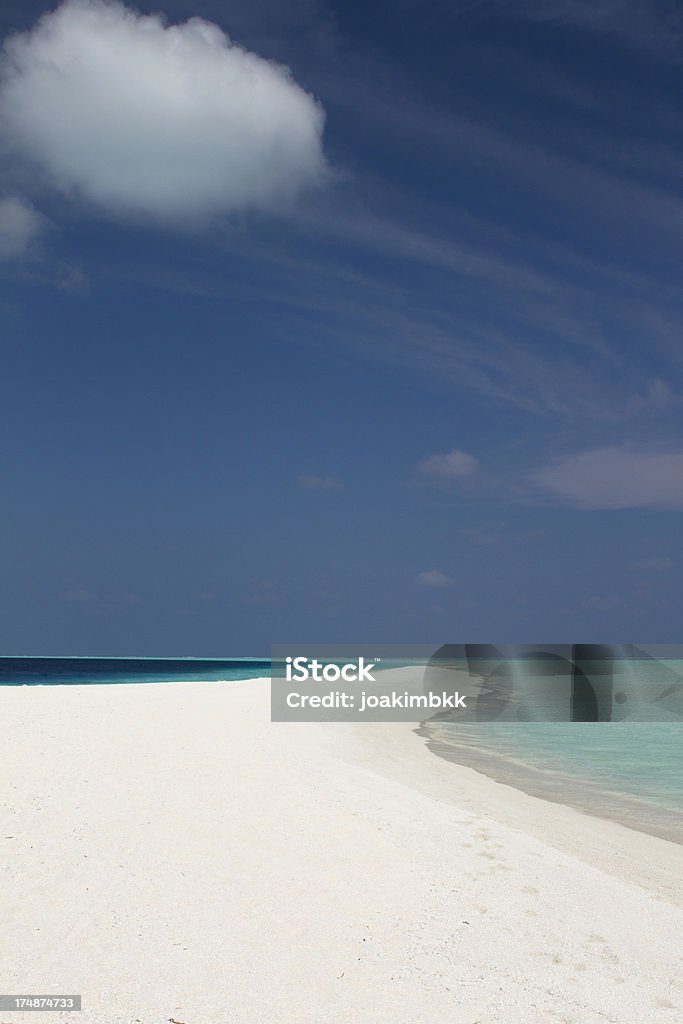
(65, 671)
(631, 772)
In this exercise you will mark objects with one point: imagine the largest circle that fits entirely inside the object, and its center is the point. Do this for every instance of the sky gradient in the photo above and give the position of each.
(383, 348)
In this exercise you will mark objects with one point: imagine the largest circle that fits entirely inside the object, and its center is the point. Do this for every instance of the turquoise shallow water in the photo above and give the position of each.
(631, 771)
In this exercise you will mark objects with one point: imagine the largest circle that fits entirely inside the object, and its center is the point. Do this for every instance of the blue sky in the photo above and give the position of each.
(383, 348)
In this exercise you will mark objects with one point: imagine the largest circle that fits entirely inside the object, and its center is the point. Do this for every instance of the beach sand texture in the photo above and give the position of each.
(169, 853)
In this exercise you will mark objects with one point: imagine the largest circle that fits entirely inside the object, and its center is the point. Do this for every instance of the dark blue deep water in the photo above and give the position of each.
(65, 671)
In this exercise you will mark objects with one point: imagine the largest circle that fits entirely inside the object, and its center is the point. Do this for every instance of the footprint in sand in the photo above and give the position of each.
(554, 958)
(666, 1004)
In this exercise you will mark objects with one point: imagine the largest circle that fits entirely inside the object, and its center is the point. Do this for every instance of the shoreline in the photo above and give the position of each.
(172, 853)
(624, 808)
(652, 862)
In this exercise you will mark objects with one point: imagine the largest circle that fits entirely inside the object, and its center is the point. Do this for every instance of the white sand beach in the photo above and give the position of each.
(169, 853)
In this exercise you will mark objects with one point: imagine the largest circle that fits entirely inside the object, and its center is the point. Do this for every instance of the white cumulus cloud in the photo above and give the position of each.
(146, 119)
(616, 477)
(453, 465)
(20, 227)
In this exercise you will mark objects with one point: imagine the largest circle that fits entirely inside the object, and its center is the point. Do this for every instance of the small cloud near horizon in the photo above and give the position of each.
(72, 279)
(100, 602)
(264, 593)
(615, 477)
(434, 578)
(447, 466)
(600, 603)
(310, 482)
(20, 227)
(652, 565)
(79, 596)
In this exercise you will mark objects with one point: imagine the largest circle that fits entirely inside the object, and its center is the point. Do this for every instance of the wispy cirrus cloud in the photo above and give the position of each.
(650, 25)
(500, 362)
(549, 331)
(653, 25)
(581, 171)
